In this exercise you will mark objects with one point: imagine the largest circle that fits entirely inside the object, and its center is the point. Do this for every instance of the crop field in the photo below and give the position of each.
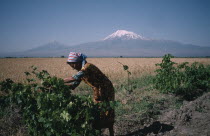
(14, 68)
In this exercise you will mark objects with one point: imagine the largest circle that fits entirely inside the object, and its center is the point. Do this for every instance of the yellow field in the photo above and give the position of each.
(14, 68)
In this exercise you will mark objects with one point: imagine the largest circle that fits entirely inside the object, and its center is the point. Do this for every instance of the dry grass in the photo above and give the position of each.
(14, 68)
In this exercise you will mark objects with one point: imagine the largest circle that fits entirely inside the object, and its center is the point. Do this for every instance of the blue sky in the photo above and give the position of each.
(25, 24)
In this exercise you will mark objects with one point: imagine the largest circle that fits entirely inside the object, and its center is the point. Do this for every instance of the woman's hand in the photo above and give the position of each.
(70, 85)
(69, 80)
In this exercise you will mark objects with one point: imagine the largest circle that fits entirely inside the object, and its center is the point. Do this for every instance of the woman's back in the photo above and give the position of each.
(102, 86)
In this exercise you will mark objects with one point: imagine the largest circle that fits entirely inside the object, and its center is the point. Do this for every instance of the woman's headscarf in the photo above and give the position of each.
(77, 57)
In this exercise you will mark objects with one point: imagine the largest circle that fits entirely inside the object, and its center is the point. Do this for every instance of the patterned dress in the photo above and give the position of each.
(102, 87)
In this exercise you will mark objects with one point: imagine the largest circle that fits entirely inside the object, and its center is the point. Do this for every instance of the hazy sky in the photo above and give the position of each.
(25, 24)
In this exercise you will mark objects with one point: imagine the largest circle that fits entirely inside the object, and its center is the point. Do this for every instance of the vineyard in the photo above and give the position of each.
(35, 101)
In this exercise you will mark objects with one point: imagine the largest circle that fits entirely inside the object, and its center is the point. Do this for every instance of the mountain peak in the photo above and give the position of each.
(53, 45)
(124, 35)
(54, 42)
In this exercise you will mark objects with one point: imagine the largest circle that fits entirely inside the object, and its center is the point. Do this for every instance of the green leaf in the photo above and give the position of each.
(65, 115)
(125, 67)
(27, 73)
(41, 119)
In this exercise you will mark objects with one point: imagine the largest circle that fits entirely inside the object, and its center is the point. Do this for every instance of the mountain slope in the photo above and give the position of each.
(141, 48)
(50, 46)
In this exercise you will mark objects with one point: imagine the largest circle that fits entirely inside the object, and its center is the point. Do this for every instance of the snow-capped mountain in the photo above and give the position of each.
(120, 43)
(124, 35)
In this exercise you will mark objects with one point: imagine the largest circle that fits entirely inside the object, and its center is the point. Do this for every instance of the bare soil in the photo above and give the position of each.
(192, 119)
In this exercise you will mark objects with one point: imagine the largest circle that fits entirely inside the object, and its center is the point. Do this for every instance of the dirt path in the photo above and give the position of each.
(192, 119)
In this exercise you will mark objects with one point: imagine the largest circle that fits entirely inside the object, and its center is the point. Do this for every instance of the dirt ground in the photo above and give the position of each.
(192, 119)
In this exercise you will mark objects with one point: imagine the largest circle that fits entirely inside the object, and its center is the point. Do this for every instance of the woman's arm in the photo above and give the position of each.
(76, 77)
(73, 85)
(74, 81)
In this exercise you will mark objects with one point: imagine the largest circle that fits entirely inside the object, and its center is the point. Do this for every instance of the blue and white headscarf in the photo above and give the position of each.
(77, 57)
